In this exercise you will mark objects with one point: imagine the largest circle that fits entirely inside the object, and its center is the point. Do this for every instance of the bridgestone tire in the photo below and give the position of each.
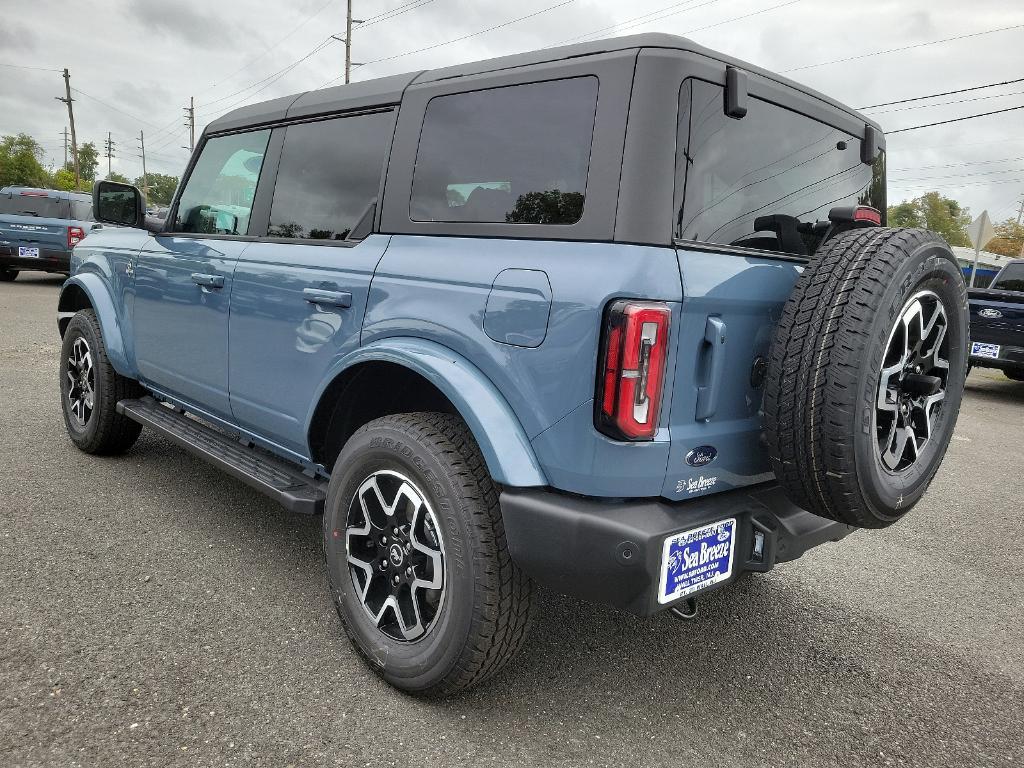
(487, 604)
(825, 372)
(8, 275)
(106, 432)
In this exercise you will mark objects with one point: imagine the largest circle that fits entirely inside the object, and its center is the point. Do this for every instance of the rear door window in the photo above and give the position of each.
(329, 176)
(36, 205)
(764, 180)
(1011, 278)
(218, 196)
(518, 154)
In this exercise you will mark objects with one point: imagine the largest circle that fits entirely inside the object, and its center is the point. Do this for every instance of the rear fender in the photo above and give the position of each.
(502, 440)
(98, 295)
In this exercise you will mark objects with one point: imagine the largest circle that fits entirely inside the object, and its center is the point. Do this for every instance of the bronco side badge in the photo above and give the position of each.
(701, 456)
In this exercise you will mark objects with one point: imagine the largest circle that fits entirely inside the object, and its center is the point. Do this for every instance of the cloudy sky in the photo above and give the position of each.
(135, 63)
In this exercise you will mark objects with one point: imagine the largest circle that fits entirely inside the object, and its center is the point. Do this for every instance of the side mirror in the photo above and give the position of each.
(120, 204)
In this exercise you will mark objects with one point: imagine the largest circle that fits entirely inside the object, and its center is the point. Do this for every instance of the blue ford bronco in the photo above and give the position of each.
(620, 319)
(40, 227)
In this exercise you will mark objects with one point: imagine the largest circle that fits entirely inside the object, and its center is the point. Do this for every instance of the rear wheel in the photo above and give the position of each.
(416, 556)
(866, 375)
(8, 275)
(90, 389)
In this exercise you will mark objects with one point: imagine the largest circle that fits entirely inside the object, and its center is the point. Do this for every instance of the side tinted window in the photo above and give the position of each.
(217, 198)
(518, 154)
(329, 175)
(765, 180)
(1011, 278)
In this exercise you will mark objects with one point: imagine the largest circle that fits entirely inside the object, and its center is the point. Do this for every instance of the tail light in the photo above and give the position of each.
(75, 236)
(631, 372)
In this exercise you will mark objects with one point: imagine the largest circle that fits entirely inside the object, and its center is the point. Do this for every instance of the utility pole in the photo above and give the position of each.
(1020, 213)
(110, 152)
(145, 178)
(71, 117)
(190, 122)
(65, 132)
(347, 40)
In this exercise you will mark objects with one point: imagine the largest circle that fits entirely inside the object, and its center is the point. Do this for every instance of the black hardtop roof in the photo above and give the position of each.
(388, 90)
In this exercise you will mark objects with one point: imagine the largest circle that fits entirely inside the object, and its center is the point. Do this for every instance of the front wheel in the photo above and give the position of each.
(90, 389)
(8, 275)
(416, 556)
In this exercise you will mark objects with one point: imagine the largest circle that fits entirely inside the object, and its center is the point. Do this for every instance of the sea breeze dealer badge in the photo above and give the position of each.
(696, 559)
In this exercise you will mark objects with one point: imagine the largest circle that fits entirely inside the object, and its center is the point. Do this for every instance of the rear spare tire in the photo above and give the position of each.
(866, 374)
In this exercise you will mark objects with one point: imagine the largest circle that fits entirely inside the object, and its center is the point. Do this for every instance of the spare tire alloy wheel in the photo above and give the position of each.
(912, 384)
(81, 390)
(395, 555)
(866, 376)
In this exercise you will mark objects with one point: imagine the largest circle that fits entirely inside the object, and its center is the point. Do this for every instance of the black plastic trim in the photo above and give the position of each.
(575, 545)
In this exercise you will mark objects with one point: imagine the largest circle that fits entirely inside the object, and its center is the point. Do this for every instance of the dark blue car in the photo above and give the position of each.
(39, 227)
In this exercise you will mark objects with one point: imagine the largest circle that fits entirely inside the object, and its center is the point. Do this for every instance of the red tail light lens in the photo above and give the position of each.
(871, 215)
(631, 372)
(75, 236)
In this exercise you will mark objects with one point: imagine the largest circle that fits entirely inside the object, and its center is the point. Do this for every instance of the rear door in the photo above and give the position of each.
(747, 193)
(300, 292)
(34, 226)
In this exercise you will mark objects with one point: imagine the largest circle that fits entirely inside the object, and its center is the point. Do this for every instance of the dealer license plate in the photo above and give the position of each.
(696, 559)
(980, 349)
(28, 253)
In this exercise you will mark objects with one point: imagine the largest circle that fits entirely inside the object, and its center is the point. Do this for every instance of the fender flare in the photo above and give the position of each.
(98, 293)
(506, 448)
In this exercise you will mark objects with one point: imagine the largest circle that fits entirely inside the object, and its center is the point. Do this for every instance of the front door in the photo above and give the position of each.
(183, 278)
(300, 293)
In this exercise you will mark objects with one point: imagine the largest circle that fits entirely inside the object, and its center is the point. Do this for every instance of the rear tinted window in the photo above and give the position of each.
(763, 181)
(19, 204)
(329, 175)
(81, 210)
(1011, 278)
(518, 154)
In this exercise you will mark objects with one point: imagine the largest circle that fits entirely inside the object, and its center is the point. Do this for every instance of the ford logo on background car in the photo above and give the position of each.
(701, 456)
(990, 313)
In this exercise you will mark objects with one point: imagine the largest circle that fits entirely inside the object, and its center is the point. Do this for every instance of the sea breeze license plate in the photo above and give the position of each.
(980, 349)
(28, 253)
(696, 559)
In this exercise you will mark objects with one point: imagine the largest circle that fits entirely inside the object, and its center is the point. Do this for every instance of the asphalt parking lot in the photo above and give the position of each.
(155, 612)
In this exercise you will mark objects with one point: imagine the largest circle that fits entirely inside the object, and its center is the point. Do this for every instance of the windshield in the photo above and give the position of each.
(767, 180)
(21, 204)
(1011, 278)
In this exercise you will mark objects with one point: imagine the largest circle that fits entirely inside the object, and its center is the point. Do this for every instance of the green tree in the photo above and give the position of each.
(1009, 239)
(88, 161)
(20, 162)
(64, 179)
(115, 176)
(549, 207)
(942, 215)
(161, 188)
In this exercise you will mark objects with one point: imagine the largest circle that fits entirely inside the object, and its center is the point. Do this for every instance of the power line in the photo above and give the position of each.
(37, 69)
(948, 103)
(111, 106)
(944, 93)
(630, 22)
(388, 15)
(959, 165)
(954, 120)
(966, 175)
(903, 48)
(463, 37)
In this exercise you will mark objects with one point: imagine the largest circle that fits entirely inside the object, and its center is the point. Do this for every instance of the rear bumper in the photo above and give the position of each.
(1010, 357)
(578, 546)
(50, 260)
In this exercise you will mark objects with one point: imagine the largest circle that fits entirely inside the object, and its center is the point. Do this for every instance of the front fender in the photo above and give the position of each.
(97, 292)
(505, 447)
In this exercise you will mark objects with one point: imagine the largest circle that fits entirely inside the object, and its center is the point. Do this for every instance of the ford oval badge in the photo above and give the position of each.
(701, 456)
(990, 313)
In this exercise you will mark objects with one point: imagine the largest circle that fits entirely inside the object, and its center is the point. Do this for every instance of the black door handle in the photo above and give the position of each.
(208, 281)
(330, 298)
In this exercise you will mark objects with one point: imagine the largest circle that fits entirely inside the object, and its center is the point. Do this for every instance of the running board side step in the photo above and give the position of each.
(278, 479)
